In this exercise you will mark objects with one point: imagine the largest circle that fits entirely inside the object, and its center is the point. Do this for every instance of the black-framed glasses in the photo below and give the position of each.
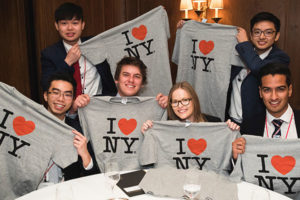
(58, 93)
(267, 33)
(184, 102)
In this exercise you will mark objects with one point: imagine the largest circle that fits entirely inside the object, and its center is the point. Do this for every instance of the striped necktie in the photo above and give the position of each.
(277, 124)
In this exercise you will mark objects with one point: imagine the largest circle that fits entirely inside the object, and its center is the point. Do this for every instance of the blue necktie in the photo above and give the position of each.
(277, 124)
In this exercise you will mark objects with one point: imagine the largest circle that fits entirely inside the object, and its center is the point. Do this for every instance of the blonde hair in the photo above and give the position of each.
(197, 115)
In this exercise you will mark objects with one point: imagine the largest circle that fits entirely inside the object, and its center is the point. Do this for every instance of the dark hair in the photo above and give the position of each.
(265, 16)
(68, 11)
(62, 77)
(198, 116)
(275, 68)
(132, 61)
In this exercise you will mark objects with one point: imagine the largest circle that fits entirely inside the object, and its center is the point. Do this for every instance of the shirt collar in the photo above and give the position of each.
(285, 116)
(265, 54)
(68, 47)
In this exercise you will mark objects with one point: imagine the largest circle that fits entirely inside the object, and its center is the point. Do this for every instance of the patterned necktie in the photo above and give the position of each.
(77, 78)
(277, 124)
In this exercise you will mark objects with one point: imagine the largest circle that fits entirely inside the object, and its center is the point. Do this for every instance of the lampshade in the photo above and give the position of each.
(186, 5)
(216, 4)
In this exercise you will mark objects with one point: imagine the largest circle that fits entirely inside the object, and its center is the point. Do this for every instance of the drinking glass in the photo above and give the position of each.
(112, 174)
(191, 186)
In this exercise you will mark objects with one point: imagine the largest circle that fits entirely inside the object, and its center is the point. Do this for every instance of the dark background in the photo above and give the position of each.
(27, 26)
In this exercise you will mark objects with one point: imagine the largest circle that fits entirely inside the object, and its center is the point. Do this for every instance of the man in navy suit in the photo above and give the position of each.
(279, 120)
(243, 100)
(64, 55)
(59, 95)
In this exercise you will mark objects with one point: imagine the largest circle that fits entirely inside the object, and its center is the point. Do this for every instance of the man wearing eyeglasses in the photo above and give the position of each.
(243, 94)
(59, 95)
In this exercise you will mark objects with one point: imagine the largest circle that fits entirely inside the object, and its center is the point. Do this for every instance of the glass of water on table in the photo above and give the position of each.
(112, 175)
(191, 186)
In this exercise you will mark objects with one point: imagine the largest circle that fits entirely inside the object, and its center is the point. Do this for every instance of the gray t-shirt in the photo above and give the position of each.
(30, 137)
(204, 54)
(145, 37)
(113, 125)
(271, 163)
(186, 145)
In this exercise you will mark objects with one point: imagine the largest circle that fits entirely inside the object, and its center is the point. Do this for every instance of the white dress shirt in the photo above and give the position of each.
(288, 127)
(90, 78)
(235, 109)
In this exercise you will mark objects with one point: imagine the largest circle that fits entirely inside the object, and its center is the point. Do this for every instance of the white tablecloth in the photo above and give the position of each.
(95, 188)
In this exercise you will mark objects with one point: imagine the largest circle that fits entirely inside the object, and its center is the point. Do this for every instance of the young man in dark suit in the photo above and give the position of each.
(59, 96)
(65, 56)
(243, 96)
(279, 120)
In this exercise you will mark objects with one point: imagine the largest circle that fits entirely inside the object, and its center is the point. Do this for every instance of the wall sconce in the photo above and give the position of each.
(201, 7)
(216, 4)
(186, 5)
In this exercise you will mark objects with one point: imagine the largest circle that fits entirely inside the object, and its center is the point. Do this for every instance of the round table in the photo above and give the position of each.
(96, 188)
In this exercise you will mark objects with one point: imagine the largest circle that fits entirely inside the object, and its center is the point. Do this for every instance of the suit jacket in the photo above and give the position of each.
(52, 59)
(210, 118)
(76, 169)
(256, 125)
(252, 104)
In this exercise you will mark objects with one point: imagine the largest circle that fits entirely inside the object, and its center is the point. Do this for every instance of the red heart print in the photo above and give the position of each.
(197, 146)
(140, 32)
(23, 127)
(283, 164)
(206, 47)
(127, 126)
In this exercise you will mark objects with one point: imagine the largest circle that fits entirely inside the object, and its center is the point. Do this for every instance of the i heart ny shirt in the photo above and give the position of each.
(271, 163)
(145, 37)
(30, 137)
(204, 54)
(181, 145)
(113, 125)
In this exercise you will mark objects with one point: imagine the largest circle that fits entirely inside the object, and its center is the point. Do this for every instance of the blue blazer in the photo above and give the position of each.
(256, 125)
(76, 170)
(52, 60)
(252, 104)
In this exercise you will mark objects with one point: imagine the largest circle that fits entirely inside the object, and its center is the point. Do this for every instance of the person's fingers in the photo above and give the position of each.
(158, 96)
(78, 134)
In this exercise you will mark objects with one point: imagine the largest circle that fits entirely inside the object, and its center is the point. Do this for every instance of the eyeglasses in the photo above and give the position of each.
(267, 33)
(183, 102)
(57, 94)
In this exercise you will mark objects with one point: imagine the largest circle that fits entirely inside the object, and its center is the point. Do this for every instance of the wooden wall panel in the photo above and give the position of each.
(114, 13)
(292, 47)
(132, 9)
(14, 64)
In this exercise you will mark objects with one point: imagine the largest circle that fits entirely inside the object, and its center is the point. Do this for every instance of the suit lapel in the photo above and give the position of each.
(61, 49)
(297, 121)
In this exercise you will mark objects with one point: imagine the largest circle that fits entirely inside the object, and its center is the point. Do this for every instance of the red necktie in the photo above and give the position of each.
(77, 78)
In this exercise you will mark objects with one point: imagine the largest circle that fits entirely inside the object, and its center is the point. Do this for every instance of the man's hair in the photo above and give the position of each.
(265, 16)
(68, 11)
(62, 77)
(135, 62)
(198, 116)
(273, 69)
